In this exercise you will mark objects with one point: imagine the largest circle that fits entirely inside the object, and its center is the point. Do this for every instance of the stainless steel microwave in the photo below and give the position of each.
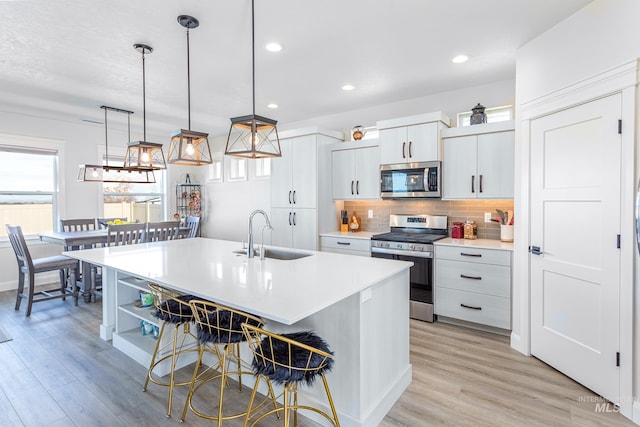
(409, 180)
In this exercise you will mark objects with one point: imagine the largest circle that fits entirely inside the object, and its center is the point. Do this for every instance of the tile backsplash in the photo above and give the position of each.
(456, 210)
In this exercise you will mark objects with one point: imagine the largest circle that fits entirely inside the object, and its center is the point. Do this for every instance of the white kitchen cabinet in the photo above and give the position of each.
(128, 336)
(355, 171)
(301, 202)
(411, 139)
(478, 161)
(294, 228)
(473, 284)
(348, 244)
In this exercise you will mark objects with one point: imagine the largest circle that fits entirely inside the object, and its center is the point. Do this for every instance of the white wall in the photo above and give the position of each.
(601, 36)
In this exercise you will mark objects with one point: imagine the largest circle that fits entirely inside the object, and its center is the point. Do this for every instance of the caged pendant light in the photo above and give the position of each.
(119, 174)
(144, 155)
(189, 147)
(253, 136)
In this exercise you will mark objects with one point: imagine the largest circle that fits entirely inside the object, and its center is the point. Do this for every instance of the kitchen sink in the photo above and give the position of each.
(275, 254)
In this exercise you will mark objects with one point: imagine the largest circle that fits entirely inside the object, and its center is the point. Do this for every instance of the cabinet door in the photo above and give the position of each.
(342, 174)
(305, 229)
(304, 171)
(367, 172)
(422, 142)
(495, 165)
(281, 172)
(393, 145)
(459, 180)
(281, 220)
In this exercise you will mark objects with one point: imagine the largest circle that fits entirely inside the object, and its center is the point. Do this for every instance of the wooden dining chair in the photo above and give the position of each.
(163, 230)
(83, 224)
(192, 222)
(28, 267)
(126, 234)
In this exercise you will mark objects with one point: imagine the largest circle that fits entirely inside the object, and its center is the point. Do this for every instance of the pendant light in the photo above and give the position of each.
(253, 136)
(120, 174)
(189, 147)
(142, 154)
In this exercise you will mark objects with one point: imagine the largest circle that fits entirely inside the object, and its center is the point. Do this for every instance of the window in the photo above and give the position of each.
(28, 188)
(136, 202)
(263, 168)
(235, 168)
(215, 168)
(496, 114)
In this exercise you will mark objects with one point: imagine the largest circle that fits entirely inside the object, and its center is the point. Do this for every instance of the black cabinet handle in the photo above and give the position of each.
(344, 243)
(358, 187)
(294, 197)
(474, 255)
(480, 183)
(289, 218)
(294, 218)
(352, 188)
(473, 183)
(289, 196)
(464, 276)
(410, 144)
(470, 306)
(404, 144)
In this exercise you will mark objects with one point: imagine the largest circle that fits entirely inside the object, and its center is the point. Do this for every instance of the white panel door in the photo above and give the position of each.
(422, 142)
(342, 174)
(282, 233)
(305, 229)
(281, 175)
(459, 180)
(367, 166)
(575, 221)
(495, 165)
(304, 171)
(393, 145)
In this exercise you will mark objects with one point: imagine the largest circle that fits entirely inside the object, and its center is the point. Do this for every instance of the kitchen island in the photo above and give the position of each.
(359, 305)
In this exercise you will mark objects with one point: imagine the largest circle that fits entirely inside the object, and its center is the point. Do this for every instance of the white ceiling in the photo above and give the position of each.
(65, 58)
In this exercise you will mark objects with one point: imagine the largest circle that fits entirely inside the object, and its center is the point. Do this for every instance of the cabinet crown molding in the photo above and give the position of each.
(504, 126)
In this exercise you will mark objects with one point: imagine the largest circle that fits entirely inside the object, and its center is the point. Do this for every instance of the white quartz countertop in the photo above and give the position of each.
(476, 243)
(357, 235)
(285, 291)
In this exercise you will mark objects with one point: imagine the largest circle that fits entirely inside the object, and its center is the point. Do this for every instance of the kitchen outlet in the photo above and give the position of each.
(370, 213)
(487, 217)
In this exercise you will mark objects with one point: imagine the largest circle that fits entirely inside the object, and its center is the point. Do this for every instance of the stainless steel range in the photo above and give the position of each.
(411, 239)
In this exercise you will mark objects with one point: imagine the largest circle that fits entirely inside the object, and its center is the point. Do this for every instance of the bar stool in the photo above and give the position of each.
(173, 309)
(288, 360)
(220, 333)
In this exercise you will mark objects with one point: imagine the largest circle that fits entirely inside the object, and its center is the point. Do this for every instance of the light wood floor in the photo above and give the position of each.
(57, 372)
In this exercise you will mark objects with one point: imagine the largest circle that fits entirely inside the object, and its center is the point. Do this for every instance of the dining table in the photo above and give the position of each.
(84, 239)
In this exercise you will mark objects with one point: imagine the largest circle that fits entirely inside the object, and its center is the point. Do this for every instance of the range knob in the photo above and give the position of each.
(412, 247)
(399, 245)
(419, 248)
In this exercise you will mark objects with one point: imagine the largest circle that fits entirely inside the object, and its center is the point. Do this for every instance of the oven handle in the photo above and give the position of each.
(417, 254)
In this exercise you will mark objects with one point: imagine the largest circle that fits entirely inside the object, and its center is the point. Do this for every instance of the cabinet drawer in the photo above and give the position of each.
(347, 243)
(480, 278)
(479, 308)
(477, 255)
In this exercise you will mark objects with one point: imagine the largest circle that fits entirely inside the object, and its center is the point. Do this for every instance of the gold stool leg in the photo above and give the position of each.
(173, 369)
(333, 408)
(187, 402)
(223, 380)
(153, 357)
(295, 405)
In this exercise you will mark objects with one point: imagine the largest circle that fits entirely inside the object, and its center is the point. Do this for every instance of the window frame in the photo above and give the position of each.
(55, 147)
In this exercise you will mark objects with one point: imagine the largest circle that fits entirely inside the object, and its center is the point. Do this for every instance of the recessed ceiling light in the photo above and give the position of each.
(348, 87)
(272, 105)
(460, 59)
(273, 47)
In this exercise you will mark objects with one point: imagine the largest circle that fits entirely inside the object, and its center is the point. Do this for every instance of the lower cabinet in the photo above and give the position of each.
(346, 245)
(473, 284)
(128, 336)
(293, 228)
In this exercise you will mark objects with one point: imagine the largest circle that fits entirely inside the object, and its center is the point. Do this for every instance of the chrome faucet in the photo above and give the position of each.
(250, 250)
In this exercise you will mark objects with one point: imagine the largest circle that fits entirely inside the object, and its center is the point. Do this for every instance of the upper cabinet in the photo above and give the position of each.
(355, 170)
(478, 161)
(294, 175)
(411, 139)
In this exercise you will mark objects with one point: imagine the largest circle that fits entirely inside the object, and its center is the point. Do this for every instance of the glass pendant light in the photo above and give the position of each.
(253, 136)
(189, 147)
(120, 174)
(143, 154)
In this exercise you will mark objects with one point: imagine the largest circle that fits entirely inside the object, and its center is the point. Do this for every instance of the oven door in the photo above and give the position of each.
(420, 284)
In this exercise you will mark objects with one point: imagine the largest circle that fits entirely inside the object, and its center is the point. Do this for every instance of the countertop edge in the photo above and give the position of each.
(477, 243)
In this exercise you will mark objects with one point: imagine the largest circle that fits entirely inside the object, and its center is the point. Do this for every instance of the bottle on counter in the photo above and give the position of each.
(457, 230)
(470, 230)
